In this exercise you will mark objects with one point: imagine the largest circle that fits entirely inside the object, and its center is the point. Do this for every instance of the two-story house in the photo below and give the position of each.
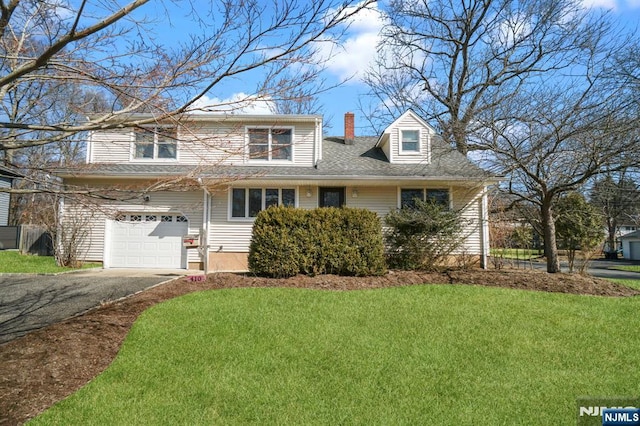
(209, 175)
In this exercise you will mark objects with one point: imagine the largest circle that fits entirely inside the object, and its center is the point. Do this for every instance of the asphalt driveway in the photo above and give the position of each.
(29, 302)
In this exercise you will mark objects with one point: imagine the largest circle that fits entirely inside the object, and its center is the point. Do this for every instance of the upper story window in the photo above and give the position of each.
(248, 202)
(155, 143)
(438, 196)
(270, 144)
(410, 141)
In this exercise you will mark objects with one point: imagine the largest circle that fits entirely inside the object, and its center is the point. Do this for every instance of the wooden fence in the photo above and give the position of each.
(29, 239)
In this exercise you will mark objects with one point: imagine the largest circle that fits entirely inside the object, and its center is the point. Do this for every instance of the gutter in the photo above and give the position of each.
(204, 244)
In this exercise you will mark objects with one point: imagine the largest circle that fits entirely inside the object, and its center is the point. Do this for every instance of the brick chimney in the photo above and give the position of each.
(349, 128)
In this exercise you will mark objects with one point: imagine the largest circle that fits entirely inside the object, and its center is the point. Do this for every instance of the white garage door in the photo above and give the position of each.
(148, 241)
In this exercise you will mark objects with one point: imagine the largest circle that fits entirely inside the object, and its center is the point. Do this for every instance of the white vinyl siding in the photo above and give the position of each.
(225, 235)
(391, 140)
(399, 156)
(206, 144)
(469, 202)
(308, 197)
(4, 201)
(380, 200)
(111, 146)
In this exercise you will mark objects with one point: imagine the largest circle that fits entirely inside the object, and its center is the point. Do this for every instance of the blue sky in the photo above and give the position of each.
(357, 51)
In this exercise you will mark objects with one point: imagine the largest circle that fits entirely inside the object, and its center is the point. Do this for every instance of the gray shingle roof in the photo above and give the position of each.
(634, 234)
(359, 160)
(363, 159)
(9, 172)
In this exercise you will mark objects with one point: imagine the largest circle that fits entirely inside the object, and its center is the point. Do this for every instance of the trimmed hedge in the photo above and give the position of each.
(287, 241)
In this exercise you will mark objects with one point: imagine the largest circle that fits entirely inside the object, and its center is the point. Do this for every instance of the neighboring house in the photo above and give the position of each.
(631, 245)
(212, 174)
(6, 181)
(621, 231)
(626, 229)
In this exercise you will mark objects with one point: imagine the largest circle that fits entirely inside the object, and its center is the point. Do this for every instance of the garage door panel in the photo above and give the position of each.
(135, 232)
(151, 246)
(634, 247)
(119, 245)
(162, 245)
(147, 244)
(133, 246)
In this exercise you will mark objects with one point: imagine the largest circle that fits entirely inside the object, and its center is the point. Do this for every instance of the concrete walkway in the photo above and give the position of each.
(29, 302)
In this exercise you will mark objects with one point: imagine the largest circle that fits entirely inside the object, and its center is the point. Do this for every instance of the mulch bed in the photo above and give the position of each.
(47, 365)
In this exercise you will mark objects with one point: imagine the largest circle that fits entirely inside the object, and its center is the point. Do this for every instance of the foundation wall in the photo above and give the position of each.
(228, 262)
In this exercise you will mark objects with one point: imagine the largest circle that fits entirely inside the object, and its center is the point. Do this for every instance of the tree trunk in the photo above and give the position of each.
(612, 250)
(549, 230)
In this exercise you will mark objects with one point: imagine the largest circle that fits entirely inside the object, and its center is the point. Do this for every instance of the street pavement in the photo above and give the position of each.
(598, 268)
(29, 302)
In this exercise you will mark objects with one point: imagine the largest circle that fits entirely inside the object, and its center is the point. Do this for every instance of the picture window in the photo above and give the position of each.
(248, 202)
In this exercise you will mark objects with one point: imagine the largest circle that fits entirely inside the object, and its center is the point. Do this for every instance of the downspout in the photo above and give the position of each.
(59, 225)
(89, 152)
(318, 144)
(204, 243)
(484, 218)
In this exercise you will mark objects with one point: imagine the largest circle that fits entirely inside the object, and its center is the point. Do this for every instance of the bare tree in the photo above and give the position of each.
(455, 61)
(111, 50)
(556, 141)
(617, 197)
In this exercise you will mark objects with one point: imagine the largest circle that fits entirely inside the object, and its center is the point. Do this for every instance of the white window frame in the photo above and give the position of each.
(424, 193)
(269, 160)
(401, 137)
(246, 217)
(156, 142)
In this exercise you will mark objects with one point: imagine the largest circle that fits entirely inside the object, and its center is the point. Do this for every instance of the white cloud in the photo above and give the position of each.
(604, 4)
(238, 103)
(352, 55)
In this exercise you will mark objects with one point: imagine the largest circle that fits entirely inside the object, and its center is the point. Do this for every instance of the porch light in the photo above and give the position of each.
(309, 192)
(354, 193)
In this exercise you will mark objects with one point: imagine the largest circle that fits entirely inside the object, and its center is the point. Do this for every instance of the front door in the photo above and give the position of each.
(331, 197)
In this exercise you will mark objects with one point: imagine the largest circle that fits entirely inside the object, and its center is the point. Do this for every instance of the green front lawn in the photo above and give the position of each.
(630, 268)
(414, 355)
(629, 283)
(16, 263)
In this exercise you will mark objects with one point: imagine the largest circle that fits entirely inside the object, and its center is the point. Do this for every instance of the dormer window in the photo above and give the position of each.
(410, 141)
(155, 143)
(270, 144)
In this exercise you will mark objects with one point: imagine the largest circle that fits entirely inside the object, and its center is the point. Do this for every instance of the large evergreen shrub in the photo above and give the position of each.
(422, 237)
(288, 241)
